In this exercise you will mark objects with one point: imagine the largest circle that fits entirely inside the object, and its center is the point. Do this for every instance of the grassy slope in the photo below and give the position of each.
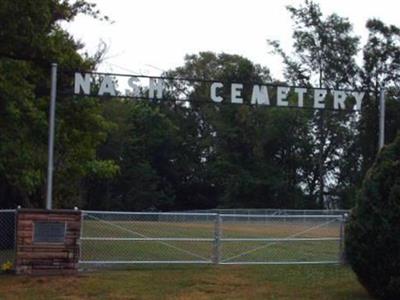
(192, 282)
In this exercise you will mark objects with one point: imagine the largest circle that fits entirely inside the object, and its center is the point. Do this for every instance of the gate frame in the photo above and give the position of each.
(218, 239)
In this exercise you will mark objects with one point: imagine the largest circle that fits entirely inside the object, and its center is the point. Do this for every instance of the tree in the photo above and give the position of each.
(381, 69)
(159, 152)
(324, 56)
(201, 155)
(31, 38)
(372, 234)
(250, 158)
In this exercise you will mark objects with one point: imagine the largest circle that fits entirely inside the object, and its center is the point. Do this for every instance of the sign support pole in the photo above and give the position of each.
(382, 118)
(53, 92)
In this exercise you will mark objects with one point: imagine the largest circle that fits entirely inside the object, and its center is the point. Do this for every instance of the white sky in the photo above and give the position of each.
(148, 36)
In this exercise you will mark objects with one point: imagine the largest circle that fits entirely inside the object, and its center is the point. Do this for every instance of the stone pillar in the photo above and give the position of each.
(47, 241)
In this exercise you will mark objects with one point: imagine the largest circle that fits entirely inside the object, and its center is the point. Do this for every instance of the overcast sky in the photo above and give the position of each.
(149, 36)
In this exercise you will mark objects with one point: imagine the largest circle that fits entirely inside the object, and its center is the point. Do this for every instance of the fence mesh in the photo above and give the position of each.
(7, 236)
(280, 239)
(146, 237)
(118, 237)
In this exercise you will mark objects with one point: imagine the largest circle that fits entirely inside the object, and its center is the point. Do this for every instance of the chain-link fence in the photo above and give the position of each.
(273, 211)
(7, 236)
(127, 238)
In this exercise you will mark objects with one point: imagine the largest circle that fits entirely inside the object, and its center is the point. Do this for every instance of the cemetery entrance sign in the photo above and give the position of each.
(179, 89)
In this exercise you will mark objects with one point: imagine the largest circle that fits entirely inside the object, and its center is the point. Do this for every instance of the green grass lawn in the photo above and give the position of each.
(192, 282)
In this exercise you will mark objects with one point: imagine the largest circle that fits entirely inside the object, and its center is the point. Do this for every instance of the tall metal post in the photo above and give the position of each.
(217, 240)
(53, 92)
(342, 255)
(382, 118)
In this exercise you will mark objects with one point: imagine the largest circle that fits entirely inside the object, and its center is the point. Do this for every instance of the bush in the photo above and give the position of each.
(373, 231)
(6, 267)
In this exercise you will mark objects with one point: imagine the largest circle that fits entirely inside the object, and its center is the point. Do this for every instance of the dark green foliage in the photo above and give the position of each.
(126, 155)
(204, 155)
(253, 157)
(31, 38)
(381, 67)
(373, 231)
(325, 49)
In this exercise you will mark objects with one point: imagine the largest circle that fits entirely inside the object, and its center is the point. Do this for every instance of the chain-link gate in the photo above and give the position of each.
(7, 236)
(140, 237)
(120, 237)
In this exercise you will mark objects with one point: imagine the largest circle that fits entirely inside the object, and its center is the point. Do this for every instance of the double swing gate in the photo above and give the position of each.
(205, 238)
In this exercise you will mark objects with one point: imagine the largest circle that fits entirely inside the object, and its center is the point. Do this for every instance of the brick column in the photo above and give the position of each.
(47, 241)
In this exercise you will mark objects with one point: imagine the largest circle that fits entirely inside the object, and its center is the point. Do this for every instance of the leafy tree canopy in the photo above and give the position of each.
(31, 38)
